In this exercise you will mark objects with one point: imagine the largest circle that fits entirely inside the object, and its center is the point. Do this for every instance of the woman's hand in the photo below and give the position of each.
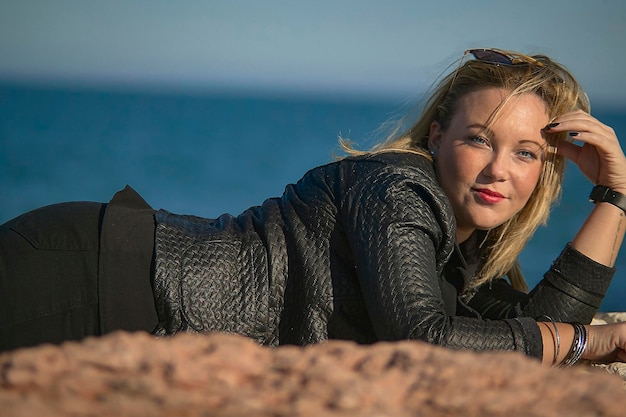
(600, 157)
(607, 343)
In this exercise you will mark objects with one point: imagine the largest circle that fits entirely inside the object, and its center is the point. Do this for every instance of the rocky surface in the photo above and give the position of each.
(125, 374)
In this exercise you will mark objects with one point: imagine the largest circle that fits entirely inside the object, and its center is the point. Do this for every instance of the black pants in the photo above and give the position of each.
(79, 269)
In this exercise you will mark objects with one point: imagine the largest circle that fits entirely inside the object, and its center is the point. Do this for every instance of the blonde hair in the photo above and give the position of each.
(536, 74)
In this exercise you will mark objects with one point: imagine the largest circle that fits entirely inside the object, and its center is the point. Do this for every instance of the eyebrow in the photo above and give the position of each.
(541, 145)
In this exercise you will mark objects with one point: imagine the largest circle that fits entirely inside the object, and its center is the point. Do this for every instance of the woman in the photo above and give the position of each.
(412, 240)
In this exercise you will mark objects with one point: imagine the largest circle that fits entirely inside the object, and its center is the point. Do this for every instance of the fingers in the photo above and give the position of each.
(607, 343)
(569, 150)
(581, 126)
(588, 161)
(595, 148)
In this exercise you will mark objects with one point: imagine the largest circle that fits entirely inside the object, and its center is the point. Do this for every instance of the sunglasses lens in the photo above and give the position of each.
(491, 56)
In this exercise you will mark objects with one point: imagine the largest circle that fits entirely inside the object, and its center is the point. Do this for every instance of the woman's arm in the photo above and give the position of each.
(571, 290)
(599, 239)
(606, 343)
(400, 230)
(601, 236)
(601, 159)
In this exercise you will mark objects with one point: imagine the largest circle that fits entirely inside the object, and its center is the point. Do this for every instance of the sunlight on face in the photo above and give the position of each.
(489, 168)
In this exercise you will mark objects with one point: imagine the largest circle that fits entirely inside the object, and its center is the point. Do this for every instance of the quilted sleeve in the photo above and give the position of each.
(401, 234)
(572, 290)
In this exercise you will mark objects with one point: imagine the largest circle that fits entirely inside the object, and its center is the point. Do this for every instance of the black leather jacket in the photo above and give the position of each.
(360, 249)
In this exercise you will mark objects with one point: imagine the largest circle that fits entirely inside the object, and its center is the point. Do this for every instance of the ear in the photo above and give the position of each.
(434, 137)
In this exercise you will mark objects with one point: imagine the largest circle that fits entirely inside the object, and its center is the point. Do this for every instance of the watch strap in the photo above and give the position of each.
(603, 194)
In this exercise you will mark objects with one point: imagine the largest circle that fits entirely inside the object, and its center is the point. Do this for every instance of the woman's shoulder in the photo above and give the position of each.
(373, 168)
(370, 169)
(391, 173)
(404, 164)
(396, 187)
(392, 157)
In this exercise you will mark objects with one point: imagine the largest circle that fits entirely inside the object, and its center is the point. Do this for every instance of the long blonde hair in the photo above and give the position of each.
(537, 74)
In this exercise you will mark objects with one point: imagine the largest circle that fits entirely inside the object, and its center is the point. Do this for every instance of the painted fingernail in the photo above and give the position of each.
(573, 133)
(551, 125)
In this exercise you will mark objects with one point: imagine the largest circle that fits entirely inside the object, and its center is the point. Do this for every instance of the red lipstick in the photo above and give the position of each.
(489, 196)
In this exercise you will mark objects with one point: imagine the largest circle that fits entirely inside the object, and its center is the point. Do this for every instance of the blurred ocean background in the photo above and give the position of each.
(213, 152)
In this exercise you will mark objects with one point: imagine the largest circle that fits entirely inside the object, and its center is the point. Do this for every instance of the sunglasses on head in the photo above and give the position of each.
(499, 57)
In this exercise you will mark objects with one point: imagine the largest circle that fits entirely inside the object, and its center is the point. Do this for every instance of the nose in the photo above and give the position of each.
(497, 167)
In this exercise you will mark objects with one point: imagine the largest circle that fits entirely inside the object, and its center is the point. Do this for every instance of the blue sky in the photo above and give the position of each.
(374, 47)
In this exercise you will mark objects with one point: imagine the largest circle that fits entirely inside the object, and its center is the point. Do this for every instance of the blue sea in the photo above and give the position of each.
(215, 152)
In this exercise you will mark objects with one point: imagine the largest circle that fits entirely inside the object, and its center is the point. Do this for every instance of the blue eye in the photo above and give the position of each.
(479, 140)
(527, 154)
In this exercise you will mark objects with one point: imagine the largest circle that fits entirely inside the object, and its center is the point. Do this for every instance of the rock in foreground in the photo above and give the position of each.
(125, 374)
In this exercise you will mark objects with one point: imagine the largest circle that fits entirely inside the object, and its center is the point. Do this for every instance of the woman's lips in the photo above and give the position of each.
(489, 196)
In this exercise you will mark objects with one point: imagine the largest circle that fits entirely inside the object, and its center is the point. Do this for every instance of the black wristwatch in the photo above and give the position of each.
(600, 193)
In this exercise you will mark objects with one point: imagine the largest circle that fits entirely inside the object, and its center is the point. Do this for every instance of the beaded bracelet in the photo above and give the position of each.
(581, 338)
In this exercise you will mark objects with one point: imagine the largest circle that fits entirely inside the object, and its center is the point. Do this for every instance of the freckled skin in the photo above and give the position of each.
(489, 172)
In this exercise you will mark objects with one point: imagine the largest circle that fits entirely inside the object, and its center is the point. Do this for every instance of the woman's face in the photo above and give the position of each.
(489, 172)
